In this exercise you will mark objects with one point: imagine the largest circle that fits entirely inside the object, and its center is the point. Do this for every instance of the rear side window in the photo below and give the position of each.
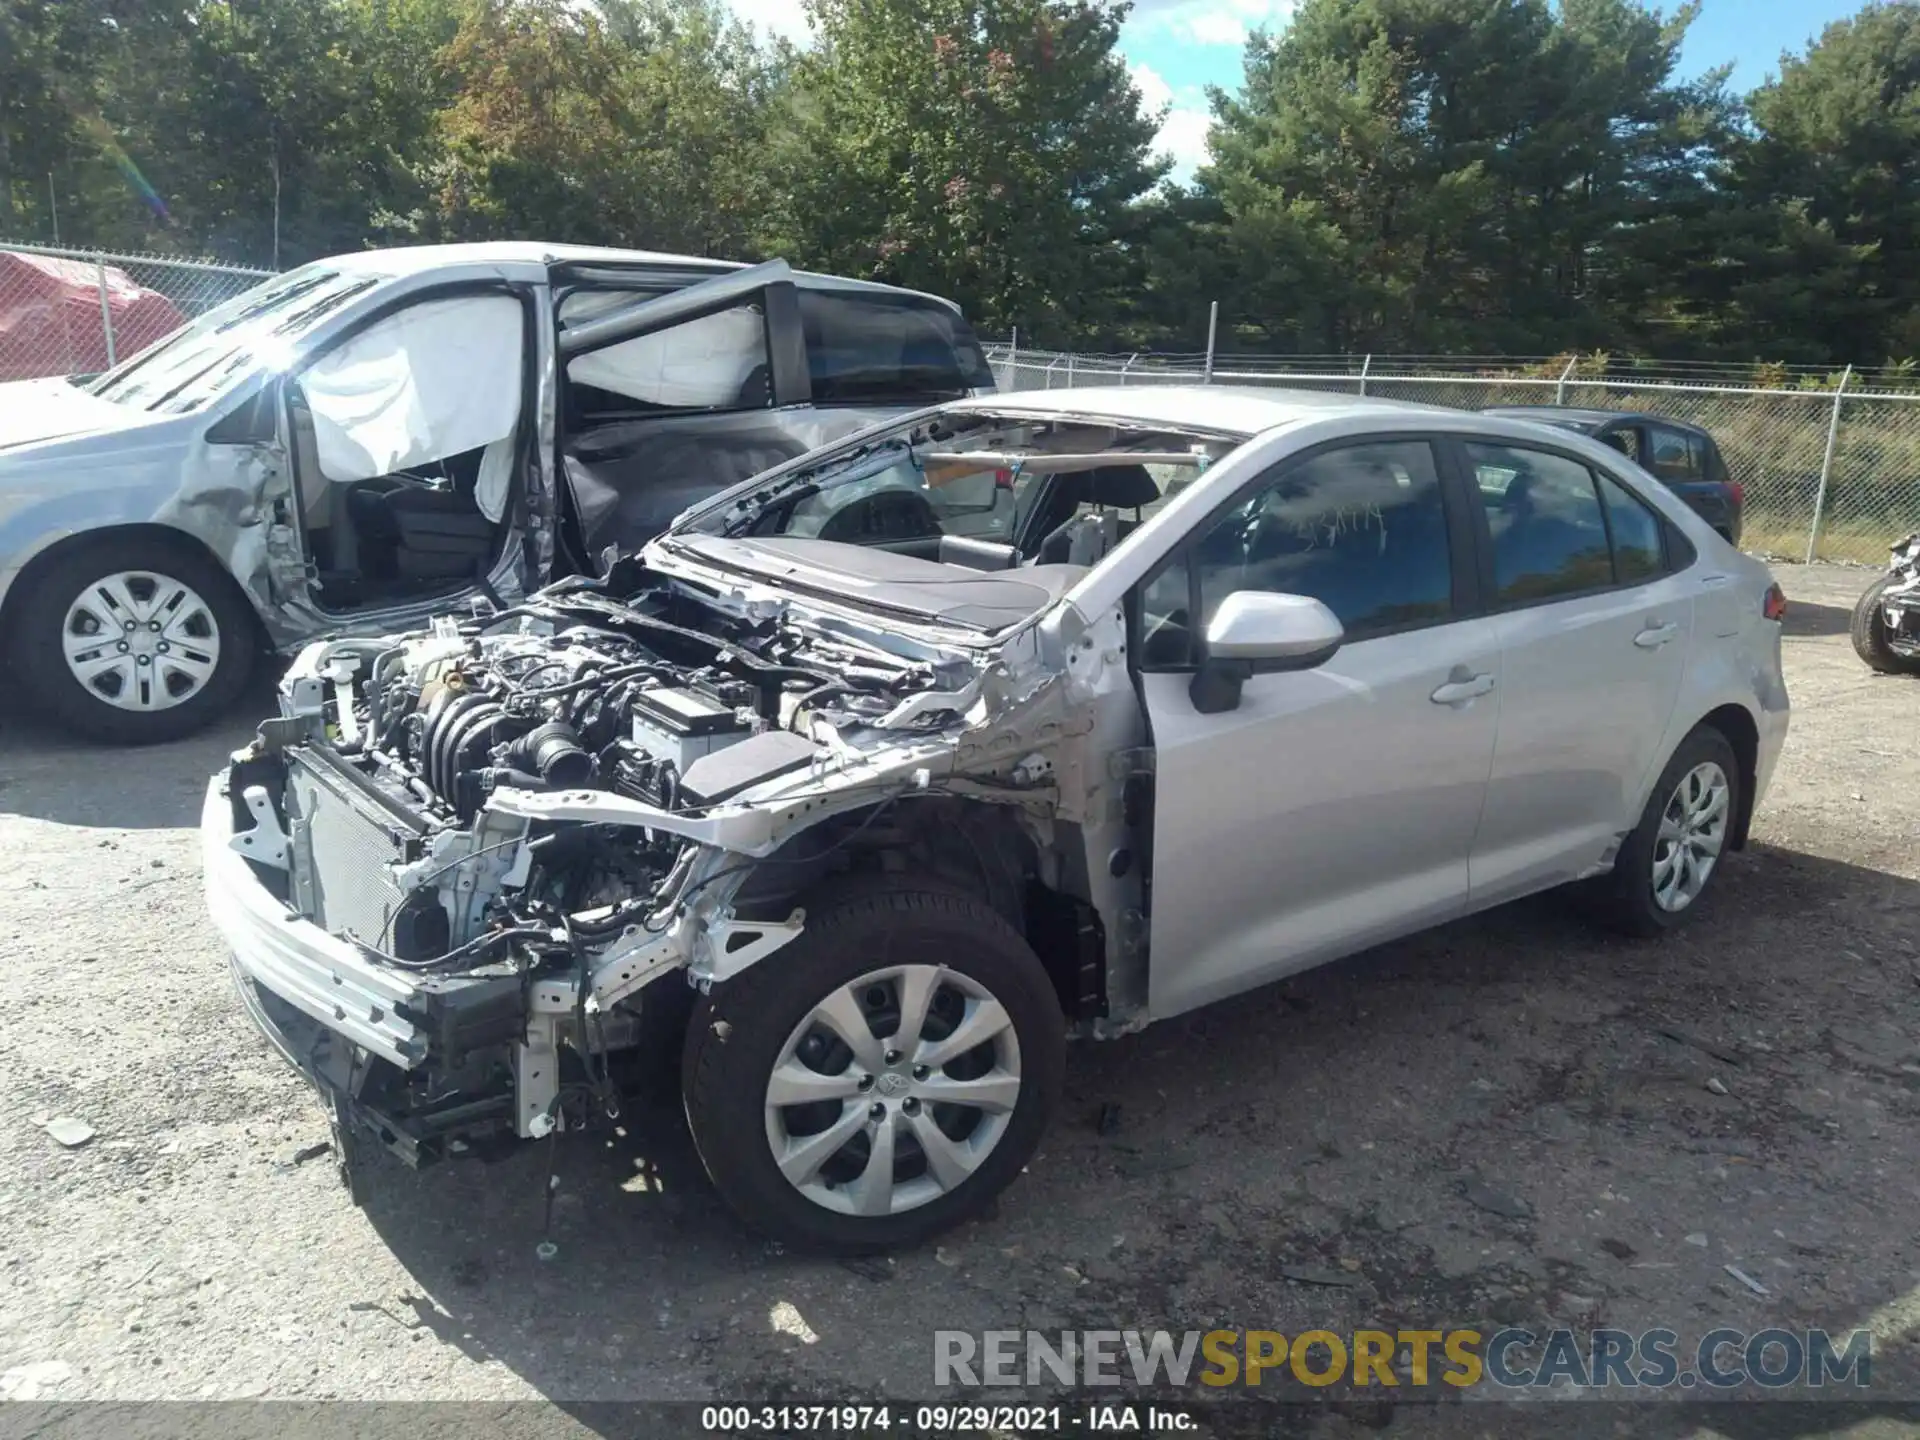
(1636, 534)
(1674, 455)
(1543, 513)
(888, 348)
(1559, 528)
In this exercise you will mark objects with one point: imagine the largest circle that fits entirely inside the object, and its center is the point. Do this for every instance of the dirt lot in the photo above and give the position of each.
(1360, 1120)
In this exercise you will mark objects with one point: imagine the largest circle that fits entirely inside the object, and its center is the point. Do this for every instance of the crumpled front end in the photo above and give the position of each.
(457, 868)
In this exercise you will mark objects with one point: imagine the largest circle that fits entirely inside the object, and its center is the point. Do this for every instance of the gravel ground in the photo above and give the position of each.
(1360, 1120)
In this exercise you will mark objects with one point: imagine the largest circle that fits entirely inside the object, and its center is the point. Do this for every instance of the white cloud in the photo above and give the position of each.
(1154, 90)
(1211, 22)
(1183, 129)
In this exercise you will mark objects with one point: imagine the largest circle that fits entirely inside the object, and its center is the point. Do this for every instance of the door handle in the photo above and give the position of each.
(1462, 685)
(1654, 636)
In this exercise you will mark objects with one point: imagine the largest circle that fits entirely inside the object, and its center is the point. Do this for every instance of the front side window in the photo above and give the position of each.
(1627, 442)
(1543, 515)
(716, 362)
(1361, 528)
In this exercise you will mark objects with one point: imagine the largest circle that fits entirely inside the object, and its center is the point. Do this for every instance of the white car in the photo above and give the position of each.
(1023, 717)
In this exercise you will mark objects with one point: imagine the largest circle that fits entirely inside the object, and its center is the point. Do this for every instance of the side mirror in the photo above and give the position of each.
(1257, 633)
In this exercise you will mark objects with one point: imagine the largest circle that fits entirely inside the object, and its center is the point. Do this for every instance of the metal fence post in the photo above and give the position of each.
(106, 310)
(1213, 325)
(1013, 360)
(1070, 358)
(1826, 463)
(1365, 366)
(1128, 366)
(1560, 389)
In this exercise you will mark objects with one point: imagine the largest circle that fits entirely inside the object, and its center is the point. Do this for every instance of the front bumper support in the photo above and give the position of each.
(318, 974)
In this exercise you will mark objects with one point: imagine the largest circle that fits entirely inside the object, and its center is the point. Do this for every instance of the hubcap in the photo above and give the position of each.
(893, 1090)
(139, 640)
(1693, 828)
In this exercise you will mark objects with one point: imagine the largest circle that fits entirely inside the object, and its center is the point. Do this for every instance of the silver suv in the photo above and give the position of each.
(377, 438)
(1025, 717)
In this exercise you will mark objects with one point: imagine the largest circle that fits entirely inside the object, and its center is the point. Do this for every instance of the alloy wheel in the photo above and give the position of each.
(1693, 831)
(893, 1090)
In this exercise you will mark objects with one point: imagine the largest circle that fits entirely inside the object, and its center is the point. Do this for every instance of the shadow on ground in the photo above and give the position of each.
(1806, 618)
(1335, 1120)
(47, 775)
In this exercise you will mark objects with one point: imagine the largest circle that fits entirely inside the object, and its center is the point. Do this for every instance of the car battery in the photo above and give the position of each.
(679, 725)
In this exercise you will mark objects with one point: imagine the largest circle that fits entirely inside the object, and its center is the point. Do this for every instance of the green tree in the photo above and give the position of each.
(636, 123)
(991, 150)
(1431, 174)
(1822, 263)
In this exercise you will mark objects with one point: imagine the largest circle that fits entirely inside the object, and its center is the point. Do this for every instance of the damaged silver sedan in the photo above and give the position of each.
(1022, 718)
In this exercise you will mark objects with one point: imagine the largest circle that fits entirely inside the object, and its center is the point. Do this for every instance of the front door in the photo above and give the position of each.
(409, 437)
(1594, 631)
(1334, 807)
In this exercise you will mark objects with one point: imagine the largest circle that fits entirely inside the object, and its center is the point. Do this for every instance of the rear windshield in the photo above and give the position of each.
(882, 347)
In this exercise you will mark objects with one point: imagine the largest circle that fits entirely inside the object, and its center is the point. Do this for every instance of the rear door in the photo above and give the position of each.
(1333, 807)
(1594, 631)
(665, 399)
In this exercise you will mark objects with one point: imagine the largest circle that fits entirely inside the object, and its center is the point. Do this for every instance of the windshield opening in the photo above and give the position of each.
(980, 489)
(201, 359)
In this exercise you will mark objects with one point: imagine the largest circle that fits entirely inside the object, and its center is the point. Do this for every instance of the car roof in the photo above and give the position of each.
(407, 260)
(1232, 409)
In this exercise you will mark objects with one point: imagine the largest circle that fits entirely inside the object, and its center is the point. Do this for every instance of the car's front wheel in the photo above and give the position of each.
(132, 641)
(1673, 854)
(881, 1078)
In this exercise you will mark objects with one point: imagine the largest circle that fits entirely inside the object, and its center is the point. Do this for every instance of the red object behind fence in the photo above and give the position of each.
(51, 321)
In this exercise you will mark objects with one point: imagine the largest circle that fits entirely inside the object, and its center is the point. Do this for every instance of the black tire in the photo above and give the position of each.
(1624, 899)
(737, 1033)
(1871, 640)
(51, 686)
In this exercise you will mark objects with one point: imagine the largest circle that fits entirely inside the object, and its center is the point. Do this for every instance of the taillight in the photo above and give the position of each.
(1774, 607)
(1737, 492)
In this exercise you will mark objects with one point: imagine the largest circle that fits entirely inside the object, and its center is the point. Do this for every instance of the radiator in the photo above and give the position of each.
(345, 845)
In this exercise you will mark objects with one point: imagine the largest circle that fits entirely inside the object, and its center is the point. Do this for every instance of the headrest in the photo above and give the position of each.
(1121, 487)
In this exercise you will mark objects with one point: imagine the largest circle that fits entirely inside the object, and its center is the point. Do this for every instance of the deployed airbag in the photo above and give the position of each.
(425, 383)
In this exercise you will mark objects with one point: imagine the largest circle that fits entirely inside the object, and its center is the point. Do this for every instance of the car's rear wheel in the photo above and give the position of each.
(882, 1078)
(132, 641)
(1667, 863)
(1873, 640)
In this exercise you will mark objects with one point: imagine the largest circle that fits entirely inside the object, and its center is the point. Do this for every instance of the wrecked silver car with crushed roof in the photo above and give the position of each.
(1023, 717)
(370, 440)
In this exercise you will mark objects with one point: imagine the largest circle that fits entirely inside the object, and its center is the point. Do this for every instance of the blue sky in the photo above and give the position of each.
(1176, 48)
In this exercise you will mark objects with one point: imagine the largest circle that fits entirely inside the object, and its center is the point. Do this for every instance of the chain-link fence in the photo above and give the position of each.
(1829, 464)
(71, 312)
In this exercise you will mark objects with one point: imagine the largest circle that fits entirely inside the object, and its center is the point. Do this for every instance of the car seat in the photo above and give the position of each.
(1079, 539)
